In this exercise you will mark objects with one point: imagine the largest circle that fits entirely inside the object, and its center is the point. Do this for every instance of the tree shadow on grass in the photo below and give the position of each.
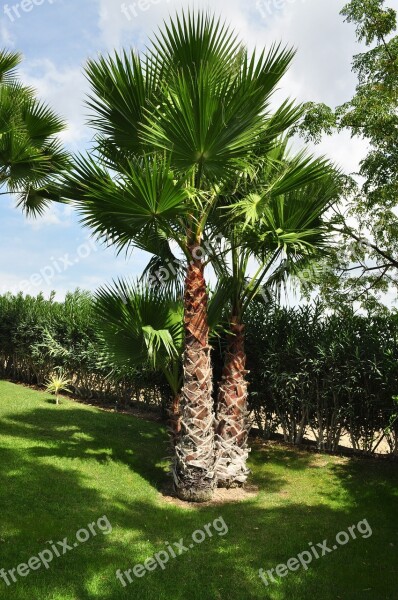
(219, 567)
(46, 493)
(68, 432)
(82, 433)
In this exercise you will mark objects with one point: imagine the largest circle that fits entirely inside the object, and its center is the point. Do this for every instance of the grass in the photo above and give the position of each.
(62, 467)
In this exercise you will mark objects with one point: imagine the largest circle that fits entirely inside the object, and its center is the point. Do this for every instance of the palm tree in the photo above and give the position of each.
(277, 221)
(142, 326)
(31, 156)
(173, 125)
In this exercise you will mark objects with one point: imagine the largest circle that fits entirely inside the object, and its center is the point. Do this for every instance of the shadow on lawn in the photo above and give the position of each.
(139, 444)
(75, 433)
(41, 502)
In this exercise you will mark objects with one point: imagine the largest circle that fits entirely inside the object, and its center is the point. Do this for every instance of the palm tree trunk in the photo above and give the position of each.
(233, 427)
(175, 420)
(194, 467)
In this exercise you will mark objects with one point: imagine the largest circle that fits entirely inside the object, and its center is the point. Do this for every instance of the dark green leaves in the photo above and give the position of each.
(372, 20)
(124, 86)
(31, 157)
(143, 201)
(193, 41)
(8, 63)
(140, 326)
(212, 124)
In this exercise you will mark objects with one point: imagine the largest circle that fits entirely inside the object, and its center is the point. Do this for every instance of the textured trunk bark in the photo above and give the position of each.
(232, 415)
(194, 466)
(175, 420)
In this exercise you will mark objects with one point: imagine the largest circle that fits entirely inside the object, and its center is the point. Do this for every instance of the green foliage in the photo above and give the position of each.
(31, 156)
(140, 326)
(309, 370)
(372, 113)
(276, 217)
(373, 22)
(173, 125)
(38, 336)
(325, 374)
(366, 224)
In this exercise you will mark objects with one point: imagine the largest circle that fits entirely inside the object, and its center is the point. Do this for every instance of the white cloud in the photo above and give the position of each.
(55, 216)
(134, 21)
(6, 37)
(65, 91)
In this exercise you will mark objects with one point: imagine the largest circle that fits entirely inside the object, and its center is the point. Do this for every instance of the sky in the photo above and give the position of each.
(57, 37)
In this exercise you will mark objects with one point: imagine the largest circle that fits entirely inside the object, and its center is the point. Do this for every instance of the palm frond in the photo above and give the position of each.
(31, 156)
(144, 200)
(219, 301)
(41, 121)
(123, 87)
(8, 63)
(278, 179)
(139, 325)
(211, 123)
(188, 42)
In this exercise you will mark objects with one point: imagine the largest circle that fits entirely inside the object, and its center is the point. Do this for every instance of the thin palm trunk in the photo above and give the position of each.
(194, 468)
(232, 413)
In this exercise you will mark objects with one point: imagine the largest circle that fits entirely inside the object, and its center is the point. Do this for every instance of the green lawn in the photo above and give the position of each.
(63, 467)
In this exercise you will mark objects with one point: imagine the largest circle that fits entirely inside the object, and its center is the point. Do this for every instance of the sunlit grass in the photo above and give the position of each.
(62, 467)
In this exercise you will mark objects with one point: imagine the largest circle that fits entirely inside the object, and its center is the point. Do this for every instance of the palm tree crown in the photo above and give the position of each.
(31, 156)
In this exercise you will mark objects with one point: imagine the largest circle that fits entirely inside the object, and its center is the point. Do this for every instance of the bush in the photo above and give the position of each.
(38, 335)
(331, 375)
(326, 374)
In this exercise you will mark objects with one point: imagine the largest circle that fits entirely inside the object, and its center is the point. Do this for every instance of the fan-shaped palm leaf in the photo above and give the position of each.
(139, 326)
(31, 157)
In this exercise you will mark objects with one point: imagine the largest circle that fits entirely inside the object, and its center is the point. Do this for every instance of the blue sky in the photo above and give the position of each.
(56, 38)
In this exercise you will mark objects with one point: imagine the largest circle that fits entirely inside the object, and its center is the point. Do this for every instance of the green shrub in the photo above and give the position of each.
(326, 374)
(38, 336)
(310, 372)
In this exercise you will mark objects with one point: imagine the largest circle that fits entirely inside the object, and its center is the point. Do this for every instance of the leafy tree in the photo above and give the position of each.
(31, 156)
(366, 223)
